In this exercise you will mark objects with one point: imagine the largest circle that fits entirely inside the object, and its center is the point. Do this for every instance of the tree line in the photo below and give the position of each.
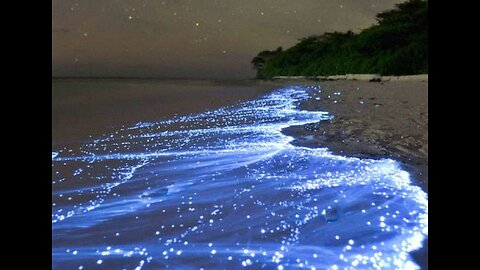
(396, 45)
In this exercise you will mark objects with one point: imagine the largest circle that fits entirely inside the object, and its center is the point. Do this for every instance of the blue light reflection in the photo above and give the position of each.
(226, 189)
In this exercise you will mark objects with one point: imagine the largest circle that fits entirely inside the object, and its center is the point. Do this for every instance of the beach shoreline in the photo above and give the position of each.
(358, 77)
(372, 120)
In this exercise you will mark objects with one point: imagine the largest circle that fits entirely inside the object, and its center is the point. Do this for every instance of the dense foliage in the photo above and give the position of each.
(396, 45)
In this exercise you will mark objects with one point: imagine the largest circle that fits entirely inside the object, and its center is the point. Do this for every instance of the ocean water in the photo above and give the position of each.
(225, 189)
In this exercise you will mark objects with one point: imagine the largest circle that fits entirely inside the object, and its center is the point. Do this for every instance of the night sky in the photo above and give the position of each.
(190, 38)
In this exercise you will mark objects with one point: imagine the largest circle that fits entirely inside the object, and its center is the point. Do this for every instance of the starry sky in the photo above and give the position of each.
(190, 38)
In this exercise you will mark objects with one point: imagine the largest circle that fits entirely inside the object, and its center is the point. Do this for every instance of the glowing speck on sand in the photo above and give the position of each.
(227, 189)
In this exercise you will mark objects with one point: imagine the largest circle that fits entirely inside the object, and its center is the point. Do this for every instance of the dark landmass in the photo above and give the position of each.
(397, 45)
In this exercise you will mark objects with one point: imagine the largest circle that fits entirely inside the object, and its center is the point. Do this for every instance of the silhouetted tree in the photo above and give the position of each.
(259, 60)
(396, 45)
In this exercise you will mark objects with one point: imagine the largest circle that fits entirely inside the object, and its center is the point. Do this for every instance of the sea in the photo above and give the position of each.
(168, 174)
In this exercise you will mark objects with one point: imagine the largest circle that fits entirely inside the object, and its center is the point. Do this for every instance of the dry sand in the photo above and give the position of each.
(372, 120)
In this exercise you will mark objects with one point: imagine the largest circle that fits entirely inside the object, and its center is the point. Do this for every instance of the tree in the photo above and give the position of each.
(396, 45)
(259, 60)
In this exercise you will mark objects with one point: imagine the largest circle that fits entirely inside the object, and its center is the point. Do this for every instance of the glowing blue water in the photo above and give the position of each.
(225, 190)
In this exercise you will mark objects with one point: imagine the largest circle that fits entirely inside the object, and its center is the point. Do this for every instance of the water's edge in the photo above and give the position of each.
(300, 207)
(298, 133)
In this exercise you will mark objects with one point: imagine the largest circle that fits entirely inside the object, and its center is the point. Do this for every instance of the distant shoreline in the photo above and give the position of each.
(358, 77)
(353, 77)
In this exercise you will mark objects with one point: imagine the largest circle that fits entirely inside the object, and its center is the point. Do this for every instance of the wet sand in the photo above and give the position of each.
(373, 120)
(135, 179)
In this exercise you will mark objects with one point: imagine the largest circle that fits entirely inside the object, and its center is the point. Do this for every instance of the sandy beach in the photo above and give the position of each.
(372, 120)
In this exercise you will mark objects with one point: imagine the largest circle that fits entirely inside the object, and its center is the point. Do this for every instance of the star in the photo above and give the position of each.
(156, 26)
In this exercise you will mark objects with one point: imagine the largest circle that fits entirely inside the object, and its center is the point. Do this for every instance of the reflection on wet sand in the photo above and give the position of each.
(226, 189)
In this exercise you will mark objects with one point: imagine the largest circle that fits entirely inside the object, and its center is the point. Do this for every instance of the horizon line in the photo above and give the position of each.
(146, 77)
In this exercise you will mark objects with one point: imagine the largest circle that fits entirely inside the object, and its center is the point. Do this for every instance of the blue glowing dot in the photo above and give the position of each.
(233, 164)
